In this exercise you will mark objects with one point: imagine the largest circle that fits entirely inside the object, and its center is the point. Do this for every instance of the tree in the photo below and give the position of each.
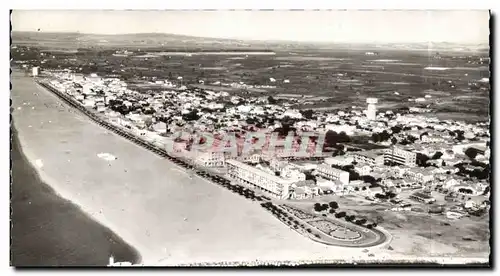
(308, 114)
(390, 195)
(331, 211)
(412, 138)
(271, 100)
(459, 135)
(394, 140)
(350, 218)
(437, 155)
(369, 179)
(324, 207)
(360, 221)
(334, 205)
(340, 214)
(384, 136)
(396, 129)
(317, 207)
(332, 138)
(191, 116)
(422, 159)
(353, 175)
(471, 153)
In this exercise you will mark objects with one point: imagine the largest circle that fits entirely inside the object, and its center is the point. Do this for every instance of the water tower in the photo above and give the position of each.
(35, 71)
(371, 111)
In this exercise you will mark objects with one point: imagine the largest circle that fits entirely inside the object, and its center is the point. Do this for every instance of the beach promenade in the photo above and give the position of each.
(151, 203)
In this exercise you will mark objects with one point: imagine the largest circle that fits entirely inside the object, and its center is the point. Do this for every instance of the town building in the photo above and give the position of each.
(333, 173)
(419, 174)
(372, 158)
(277, 165)
(272, 184)
(400, 156)
(253, 158)
(305, 189)
(334, 186)
(362, 169)
(341, 160)
(209, 158)
(292, 173)
(422, 197)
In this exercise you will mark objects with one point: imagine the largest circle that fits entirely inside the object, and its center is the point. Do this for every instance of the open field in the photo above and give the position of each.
(342, 76)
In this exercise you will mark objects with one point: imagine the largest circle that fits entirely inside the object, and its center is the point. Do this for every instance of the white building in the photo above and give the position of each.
(89, 103)
(278, 165)
(292, 173)
(363, 169)
(333, 173)
(35, 71)
(210, 159)
(400, 156)
(253, 158)
(419, 175)
(341, 160)
(87, 89)
(272, 184)
(371, 111)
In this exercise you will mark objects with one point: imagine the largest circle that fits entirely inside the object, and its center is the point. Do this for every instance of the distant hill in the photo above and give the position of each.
(142, 40)
(150, 40)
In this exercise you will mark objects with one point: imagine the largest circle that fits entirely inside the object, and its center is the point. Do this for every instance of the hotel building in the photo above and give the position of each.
(272, 184)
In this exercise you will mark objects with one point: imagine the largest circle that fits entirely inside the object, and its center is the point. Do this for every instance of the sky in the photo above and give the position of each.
(354, 26)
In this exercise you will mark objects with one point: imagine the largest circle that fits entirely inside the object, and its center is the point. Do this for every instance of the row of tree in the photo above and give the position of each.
(323, 207)
(333, 206)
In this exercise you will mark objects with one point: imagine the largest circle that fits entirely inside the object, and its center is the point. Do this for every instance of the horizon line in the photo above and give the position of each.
(253, 40)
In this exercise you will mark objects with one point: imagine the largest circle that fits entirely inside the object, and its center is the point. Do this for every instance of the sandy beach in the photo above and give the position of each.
(48, 230)
(150, 202)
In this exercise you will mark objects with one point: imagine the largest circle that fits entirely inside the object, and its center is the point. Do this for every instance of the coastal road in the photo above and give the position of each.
(165, 215)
